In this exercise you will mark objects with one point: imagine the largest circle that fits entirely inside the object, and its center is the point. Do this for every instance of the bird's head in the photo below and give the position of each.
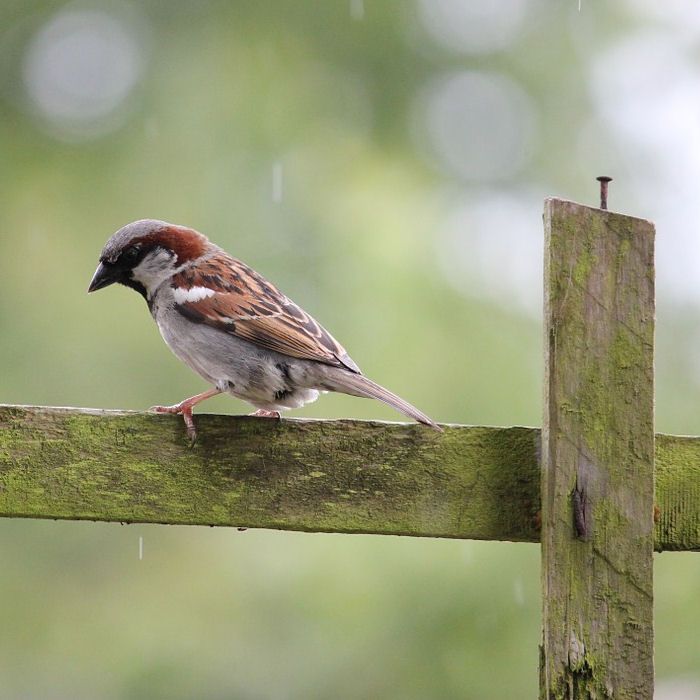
(145, 253)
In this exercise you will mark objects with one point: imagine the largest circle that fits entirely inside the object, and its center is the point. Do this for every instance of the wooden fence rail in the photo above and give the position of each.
(596, 487)
(323, 476)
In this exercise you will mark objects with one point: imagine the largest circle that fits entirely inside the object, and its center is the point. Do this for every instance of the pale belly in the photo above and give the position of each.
(264, 378)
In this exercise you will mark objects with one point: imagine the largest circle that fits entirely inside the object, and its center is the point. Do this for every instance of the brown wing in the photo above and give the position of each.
(236, 299)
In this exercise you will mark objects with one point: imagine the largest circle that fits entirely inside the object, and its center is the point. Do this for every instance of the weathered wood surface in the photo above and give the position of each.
(332, 476)
(598, 455)
(677, 493)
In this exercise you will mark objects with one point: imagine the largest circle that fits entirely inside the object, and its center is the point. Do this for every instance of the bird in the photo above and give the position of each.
(230, 325)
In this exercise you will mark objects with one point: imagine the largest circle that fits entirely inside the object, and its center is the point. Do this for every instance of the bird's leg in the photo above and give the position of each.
(185, 408)
(263, 413)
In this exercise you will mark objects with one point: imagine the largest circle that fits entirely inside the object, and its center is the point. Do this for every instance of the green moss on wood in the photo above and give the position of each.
(677, 493)
(336, 476)
(598, 438)
(477, 482)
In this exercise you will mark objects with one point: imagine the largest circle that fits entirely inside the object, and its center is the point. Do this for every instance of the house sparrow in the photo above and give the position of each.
(230, 325)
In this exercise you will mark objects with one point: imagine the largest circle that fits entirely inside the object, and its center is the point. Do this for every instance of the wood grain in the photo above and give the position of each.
(326, 476)
(598, 455)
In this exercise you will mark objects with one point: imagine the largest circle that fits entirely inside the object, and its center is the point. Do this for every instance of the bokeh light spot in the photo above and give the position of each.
(79, 69)
(479, 125)
(477, 26)
(490, 248)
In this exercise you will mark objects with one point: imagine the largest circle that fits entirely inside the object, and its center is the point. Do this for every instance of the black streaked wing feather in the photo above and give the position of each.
(245, 304)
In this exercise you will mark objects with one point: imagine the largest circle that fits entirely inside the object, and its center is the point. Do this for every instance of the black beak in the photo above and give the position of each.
(103, 277)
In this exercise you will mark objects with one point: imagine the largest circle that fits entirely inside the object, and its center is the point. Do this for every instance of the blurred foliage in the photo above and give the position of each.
(338, 95)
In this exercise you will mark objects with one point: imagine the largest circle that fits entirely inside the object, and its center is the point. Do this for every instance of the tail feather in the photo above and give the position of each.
(358, 385)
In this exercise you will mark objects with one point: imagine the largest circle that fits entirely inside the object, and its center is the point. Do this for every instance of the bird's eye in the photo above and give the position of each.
(131, 253)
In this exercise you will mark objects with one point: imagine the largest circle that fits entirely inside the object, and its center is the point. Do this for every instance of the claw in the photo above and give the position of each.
(185, 409)
(262, 413)
(189, 424)
(165, 409)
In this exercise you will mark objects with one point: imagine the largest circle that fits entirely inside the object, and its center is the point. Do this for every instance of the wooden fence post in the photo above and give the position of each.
(598, 455)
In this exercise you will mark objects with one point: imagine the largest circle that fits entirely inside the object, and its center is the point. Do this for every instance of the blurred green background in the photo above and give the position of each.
(385, 164)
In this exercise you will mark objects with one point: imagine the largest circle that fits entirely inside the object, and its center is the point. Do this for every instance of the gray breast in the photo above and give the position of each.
(265, 378)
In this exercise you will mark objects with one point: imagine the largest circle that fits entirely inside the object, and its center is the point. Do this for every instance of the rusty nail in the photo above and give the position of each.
(604, 180)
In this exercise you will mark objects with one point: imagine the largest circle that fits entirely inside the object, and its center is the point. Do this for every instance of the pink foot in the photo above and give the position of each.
(166, 409)
(184, 408)
(262, 413)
